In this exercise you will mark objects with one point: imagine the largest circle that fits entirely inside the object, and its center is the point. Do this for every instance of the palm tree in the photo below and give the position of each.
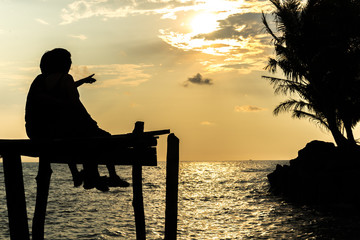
(318, 52)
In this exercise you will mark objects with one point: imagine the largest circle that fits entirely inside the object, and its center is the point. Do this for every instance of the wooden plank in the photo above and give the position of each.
(149, 133)
(117, 157)
(27, 147)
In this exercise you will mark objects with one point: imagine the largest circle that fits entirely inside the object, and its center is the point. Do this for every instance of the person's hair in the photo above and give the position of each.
(56, 60)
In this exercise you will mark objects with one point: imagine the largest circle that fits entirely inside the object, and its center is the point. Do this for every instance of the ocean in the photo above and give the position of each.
(217, 200)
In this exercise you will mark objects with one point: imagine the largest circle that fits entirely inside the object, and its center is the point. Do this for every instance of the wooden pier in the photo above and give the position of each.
(137, 149)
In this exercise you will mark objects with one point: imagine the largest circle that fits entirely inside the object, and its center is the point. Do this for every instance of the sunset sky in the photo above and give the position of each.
(193, 67)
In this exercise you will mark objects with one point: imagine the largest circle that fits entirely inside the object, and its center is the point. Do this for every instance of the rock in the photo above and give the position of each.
(321, 174)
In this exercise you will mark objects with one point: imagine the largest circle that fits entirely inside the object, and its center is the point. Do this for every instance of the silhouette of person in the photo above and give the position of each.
(54, 110)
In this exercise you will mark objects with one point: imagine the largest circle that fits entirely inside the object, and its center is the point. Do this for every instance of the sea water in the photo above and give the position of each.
(217, 200)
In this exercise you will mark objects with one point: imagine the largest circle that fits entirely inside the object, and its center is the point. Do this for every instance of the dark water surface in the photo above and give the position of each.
(217, 200)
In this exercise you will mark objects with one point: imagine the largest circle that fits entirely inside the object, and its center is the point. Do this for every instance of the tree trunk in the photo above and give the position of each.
(339, 138)
(349, 133)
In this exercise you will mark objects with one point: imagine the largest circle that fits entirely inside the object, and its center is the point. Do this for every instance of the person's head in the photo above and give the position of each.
(57, 60)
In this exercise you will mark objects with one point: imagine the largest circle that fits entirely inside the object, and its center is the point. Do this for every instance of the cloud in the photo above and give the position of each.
(113, 75)
(82, 9)
(199, 80)
(238, 65)
(79, 10)
(207, 123)
(248, 108)
(39, 20)
(168, 9)
(79, 72)
(239, 41)
(235, 26)
(81, 36)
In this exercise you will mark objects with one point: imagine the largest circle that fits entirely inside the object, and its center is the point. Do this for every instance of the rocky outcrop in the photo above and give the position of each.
(321, 174)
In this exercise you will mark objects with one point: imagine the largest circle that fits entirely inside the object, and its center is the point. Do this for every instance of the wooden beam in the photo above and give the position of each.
(96, 145)
(42, 193)
(15, 197)
(119, 156)
(138, 201)
(172, 182)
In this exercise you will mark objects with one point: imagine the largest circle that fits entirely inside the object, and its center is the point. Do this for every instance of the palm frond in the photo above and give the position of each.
(291, 105)
(318, 51)
(272, 64)
(267, 27)
(312, 117)
(286, 86)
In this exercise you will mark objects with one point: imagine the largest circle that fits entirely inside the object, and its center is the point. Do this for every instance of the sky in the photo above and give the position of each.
(194, 67)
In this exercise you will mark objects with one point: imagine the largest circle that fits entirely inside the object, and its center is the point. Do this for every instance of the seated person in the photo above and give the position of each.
(54, 110)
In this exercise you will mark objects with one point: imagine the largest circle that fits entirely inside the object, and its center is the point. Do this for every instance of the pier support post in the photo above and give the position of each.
(138, 201)
(15, 196)
(42, 193)
(172, 181)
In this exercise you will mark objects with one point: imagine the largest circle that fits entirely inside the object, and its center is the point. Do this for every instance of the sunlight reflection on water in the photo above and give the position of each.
(223, 200)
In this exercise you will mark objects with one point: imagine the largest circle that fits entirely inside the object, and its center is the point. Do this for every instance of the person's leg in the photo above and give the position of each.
(92, 178)
(114, 180)
(111, 170)
(76, 175)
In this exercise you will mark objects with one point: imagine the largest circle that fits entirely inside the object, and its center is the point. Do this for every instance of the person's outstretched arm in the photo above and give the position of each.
(88, 79)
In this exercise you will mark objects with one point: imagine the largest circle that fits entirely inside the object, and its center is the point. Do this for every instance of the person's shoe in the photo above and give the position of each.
(101, 184)
(78, 179)
(89, 183)
(117, 182)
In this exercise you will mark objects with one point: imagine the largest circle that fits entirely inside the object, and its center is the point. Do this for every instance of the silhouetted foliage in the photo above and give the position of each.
(317, 46)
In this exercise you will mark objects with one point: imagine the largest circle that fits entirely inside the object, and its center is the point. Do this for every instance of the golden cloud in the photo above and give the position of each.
(207, 123)
(248, 108)
(113, 75)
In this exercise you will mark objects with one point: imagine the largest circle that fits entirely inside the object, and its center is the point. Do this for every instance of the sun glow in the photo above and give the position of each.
(210, 32)
(204, 23)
